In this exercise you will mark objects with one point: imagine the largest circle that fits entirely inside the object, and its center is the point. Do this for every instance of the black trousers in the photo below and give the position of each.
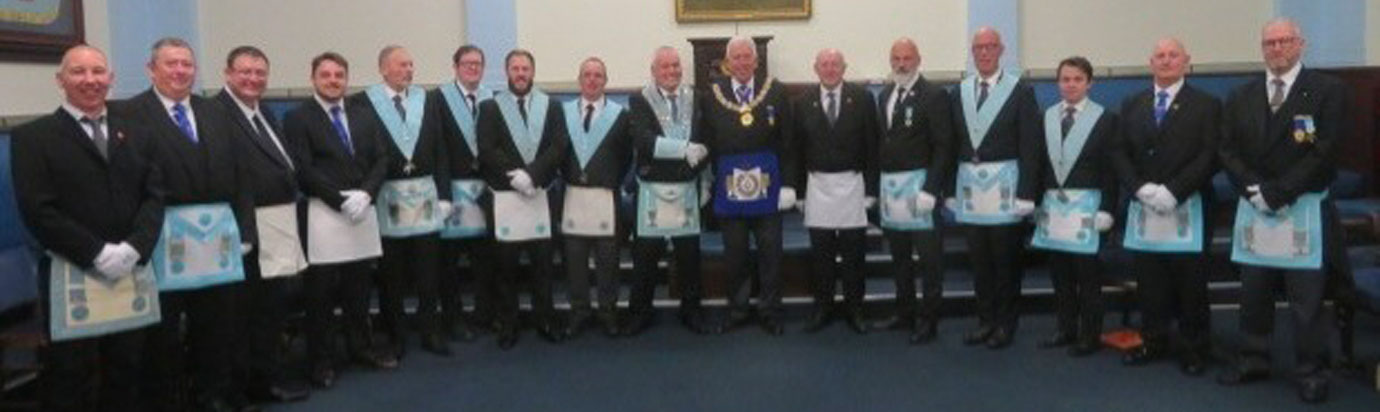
(510, 255)
(995, 253)
(766, 234)
(94, 374)
(409, 264)
(1173, 286)
(343, 285)
(259, 360)
(647, 253)
(480, 271)
(827, 246)
(1077, 294)
(577, 254)
(905, 245)
(209, 345)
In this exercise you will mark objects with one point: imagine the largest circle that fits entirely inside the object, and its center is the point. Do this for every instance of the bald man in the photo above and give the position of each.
(89, 191)
(1279, 147)
(1166, 153)
(836, 123)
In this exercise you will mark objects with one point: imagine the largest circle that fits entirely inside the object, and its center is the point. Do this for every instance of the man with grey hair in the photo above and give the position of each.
(200, 273)
(1280, 140)
(745, 125)
(413, 201)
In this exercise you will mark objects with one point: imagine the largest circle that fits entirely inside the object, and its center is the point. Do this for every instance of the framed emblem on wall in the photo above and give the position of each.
(740, 10)
(39, 30)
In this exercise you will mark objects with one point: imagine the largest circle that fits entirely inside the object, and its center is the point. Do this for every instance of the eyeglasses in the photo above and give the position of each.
(1280, 42)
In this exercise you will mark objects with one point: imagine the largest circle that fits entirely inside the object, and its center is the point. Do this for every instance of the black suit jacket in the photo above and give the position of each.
(1180, 154)
(429, 157)
(645, 129)
(500, 155)
(326, 167)
(208, 171)
(1258, 147)
(462, 162)
(1015, 134)
(926, 140)
(73, 200)
(846, 145)
(273, 178)
(1092, 170)
(610, 161)
(720, 129)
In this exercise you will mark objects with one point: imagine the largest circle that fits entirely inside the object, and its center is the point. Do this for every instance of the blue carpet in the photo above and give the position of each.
(668, 369)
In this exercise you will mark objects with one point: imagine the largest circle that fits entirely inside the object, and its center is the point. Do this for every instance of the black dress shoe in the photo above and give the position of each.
(772, 326)
(375, 360)
(436, 345)
(280, 392)
(1084, 348)
(924, 332)
(857, 323)
(1313, 390)
(577, 325)
(896, 323)
(507, 338)
(978, 336)
(818, 320)
(733, 321)
(550, 332)
(1000, 339)
(323, 377)
(1058, 339)
(1192, 365)
(637, 324)
(695, 323)
(1141, 355)
(461, 331)
(609, 324)
(1237, 376)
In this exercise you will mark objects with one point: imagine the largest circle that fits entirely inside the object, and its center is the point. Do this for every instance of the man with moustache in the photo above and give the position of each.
(412, 203)
(1167, 152)
(523, 143)
(916, 156)
(998, 132)
(1279, 147)
(745, 124)
(453, 112)
(279, 258)
(837, 127)
(206, 182)
(344, 160)
(669, 161)
(90, 193)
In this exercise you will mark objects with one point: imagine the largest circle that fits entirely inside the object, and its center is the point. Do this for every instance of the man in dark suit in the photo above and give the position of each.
(745, 124)
(663, 116)
(837, 127)
(600, 150)
(917, 136)
(1004, 128)
(342, 163)
(1280, 141)
(416, 160)
(520, 164)
(260, 367)
(199, 160)
(89, 191)
(453, 110)
(1166, 152)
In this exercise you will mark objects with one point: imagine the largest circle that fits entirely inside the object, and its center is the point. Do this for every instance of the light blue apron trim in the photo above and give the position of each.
(668, 148)
(1189, 233)
(646, 208)
(527, 138)
(676, 132)
(1079, 201)
(465, 192)
(417, 192)
(405, 133)
(215, 222)
(979, 121)
(66, 296)
(1064, 151)
(460, 111)
(585, 144)
(982, 177)
(1307, 241)
(904, 185)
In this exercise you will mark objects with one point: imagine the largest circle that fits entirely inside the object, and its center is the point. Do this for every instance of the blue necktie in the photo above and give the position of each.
(1161, 106)
(340, 130)
(744, 94)
(183, 122)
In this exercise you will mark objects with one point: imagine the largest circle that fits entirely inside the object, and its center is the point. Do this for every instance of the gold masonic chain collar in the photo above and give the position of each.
(744, 110)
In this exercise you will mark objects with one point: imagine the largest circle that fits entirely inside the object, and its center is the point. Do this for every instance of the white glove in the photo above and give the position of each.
(355, 202)
(445, 208)
(125, 260)
(869, 202)
(1146, 193)
(521, 181)
(246, 248)
(694, 153)
(786, 200)
(706, 190)
(925, 201)
(359, 215)
(1103, 221)
(1162, 200)
(1024, 207)
(1257, 199)
(951, 204)
(106, 261)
